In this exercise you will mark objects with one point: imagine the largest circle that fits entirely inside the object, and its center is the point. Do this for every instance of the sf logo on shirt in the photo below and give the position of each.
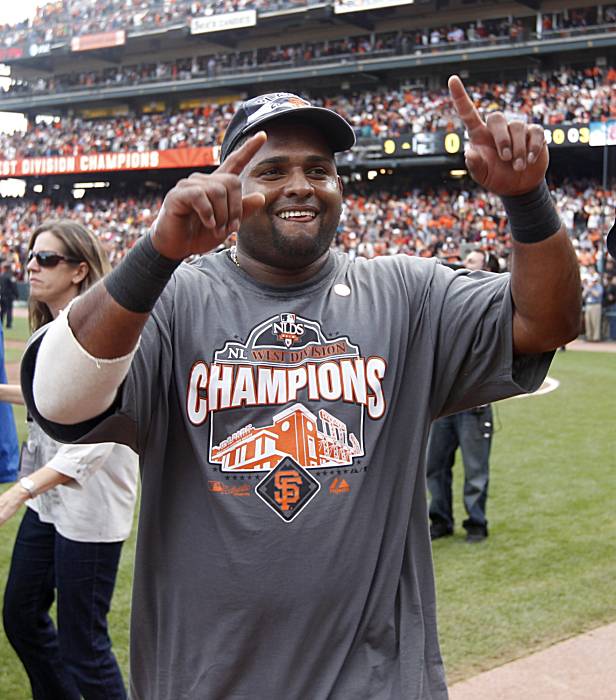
(287, 484)
(288, 488)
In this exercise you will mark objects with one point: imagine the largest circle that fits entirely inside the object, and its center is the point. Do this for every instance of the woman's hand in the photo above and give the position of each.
(10, 502)
(11, 393)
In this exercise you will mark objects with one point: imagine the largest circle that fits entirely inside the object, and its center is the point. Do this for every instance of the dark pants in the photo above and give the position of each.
(6, 310)
(472, 432)
(76, 660)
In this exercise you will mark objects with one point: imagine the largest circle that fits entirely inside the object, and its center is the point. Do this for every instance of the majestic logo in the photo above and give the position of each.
(288, 489)
(339, 486)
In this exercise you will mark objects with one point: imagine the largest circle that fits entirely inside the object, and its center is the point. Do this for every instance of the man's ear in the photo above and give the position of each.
(340, 185)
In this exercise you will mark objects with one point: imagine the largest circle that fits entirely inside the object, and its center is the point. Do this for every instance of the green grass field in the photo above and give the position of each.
(547, 570)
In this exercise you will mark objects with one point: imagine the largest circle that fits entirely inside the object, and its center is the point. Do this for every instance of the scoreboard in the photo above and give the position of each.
(443, 143)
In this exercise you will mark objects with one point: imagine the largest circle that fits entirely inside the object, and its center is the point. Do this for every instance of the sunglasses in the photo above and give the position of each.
(47, 258)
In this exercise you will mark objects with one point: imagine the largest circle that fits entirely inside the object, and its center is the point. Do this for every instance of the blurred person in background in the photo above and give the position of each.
(8, 294)
(471, 431)
(609, 302)
(9, 445)
(592, 294)
(80, 502)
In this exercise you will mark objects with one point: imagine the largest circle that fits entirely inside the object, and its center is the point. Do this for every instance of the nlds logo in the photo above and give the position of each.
(287, 329)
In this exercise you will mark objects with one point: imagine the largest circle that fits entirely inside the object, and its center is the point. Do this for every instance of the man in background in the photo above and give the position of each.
(471, 431)
(592, 295)
(8, 294)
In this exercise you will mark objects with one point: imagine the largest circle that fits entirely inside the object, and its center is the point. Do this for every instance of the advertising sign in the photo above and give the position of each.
(104, 40)
(107, 162)
(344, 6)
(223, 22)
(10, 53)
(603, 133)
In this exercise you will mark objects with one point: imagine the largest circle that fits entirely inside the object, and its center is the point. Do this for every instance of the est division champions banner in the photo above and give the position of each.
(105, 162)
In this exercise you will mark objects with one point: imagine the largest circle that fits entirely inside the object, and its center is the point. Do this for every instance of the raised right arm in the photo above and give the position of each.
(82, 363)
(196, 216)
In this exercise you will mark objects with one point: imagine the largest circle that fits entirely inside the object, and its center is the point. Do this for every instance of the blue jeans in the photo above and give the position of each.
(610, 314)
(76, 660)
(472, 432)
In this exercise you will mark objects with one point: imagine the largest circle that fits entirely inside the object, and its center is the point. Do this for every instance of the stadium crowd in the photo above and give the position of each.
(63, 19)
(433, 222)
(345, 49)
(565, 96)
(442, 222)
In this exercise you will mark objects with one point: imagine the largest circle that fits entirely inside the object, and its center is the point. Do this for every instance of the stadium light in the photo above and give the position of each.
(371, 174)
(78, 192)
(12, 187)
(37, 188)
(10, 122)
(88, 185)
(457, 172)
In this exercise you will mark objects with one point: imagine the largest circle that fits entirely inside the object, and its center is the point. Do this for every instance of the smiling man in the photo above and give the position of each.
(280, 397)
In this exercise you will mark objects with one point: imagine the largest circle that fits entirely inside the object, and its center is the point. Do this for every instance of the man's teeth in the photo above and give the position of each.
(296, 214)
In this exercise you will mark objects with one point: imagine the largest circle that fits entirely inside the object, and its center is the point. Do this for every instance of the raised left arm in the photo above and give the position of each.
(545, 284)
(511, 159)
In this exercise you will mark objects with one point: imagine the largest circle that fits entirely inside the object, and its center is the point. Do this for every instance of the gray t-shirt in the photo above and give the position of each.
(283, 547)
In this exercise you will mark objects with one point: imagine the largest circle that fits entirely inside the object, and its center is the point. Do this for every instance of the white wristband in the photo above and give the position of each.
(70, 385)
(28, 485)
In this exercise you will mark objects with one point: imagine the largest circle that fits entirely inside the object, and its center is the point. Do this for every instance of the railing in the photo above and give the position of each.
(330, 59)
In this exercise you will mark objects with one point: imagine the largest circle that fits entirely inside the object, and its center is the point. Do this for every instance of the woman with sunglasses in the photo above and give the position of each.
(80, 502)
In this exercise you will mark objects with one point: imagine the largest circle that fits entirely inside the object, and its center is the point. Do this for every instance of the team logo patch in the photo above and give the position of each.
(276, 102)
(287, 329)
(287, 489)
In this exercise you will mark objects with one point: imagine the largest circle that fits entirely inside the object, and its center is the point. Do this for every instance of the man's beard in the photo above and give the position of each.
(300, 251)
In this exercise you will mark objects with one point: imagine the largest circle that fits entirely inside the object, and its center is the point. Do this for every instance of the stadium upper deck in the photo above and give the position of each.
(153, 95)
(192, 47)
(559, 98)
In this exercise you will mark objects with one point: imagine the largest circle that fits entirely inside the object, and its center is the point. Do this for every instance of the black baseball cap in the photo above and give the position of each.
(611, 241)
(257, 111)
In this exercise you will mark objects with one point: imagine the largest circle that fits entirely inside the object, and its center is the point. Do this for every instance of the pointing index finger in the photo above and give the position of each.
(239, 159)
(464, 105)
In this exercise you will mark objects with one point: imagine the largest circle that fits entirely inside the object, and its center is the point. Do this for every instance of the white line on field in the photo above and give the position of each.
(548, 385)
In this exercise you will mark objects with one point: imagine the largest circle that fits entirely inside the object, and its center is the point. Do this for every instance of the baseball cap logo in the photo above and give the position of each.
(280, 101)
(265, 108)
(295, 101)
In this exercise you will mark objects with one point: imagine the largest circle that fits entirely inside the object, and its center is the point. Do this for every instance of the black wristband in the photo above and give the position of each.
(532, 216)
(138, 281)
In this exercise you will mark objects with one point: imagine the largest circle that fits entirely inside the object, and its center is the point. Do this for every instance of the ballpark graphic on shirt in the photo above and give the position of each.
(318, 392)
